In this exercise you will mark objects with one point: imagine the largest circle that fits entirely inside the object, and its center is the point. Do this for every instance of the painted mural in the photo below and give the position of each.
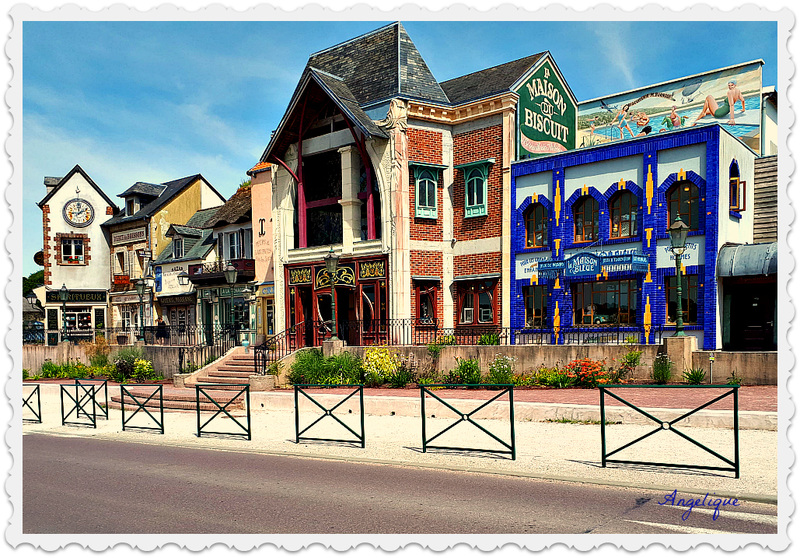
(730, 97)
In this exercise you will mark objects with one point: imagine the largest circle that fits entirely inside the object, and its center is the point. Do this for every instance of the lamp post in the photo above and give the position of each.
(677, 239)
(63, 294)
(140, 288)
(331, 264)
(183, 278)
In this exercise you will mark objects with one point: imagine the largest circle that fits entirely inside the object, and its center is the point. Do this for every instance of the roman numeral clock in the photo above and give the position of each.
(78, 212)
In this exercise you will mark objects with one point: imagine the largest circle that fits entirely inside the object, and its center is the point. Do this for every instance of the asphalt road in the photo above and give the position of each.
(84, 485)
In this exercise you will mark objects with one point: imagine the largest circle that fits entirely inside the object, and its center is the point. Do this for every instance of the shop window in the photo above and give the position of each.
(623, 209)
(536, 226)
(426, 293)
(535, 305)
(587, 224)
(683, 199)
(177, 248)
(78, 319)
(605, 303)
(477, 303)
(426, 205)
(72, 251)
(688, 299)
(737, 189)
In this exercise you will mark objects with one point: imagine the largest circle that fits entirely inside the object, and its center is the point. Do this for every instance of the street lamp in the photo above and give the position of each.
(677, 239)
(63, 294)
(230, 274)
(183, 278)
(141, 286)
(31, 298)
(331, 264)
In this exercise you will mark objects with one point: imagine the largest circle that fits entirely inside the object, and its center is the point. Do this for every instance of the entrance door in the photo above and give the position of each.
(301, 316)
(374, 323)
(752, 316)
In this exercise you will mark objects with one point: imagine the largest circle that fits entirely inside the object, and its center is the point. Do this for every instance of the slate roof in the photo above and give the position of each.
(48, 181)
(490, 81)
(183, 230)
(236, 210)
(169, 191)
(193, 248)
(143, 188)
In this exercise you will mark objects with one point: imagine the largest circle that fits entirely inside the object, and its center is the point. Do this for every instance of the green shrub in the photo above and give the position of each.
(501, 370)
(401, 378)
(695, 376)
(97, 351)
(467, 371)
(489, 339)
(274, 369)
(662, 369)
(344, 368)
(50, 370)
(553, 377)
(629, 362)
(734, 379)
(143, 371)
(307, 368)
(380, 363)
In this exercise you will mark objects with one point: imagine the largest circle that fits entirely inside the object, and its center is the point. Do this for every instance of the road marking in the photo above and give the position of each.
(681, 528)
(746, 516)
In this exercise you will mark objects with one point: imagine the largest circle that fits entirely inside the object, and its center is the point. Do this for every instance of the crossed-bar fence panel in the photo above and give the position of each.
(465, 417)
(664, 425)
(329, 412)
(140, 402)
(79, 404)
(101, 387)
(35, 393)
(227, 395)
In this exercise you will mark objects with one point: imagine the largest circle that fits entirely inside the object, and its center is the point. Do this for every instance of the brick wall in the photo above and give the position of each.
(428, 264)
(48, 275)
(425, 146)
(475, 146)
(473, 264)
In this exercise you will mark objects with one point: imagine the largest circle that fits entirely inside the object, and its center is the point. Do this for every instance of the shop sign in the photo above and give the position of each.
(122, 279)
(528, 265)
(345, 276)
(371, 270)
(300, 275)
(232, 291)
(126, 237)
(91, 297)
(178, 300)
(268, 290)
(547, 114)
(693, 255)
(582, 264)
(125, 299)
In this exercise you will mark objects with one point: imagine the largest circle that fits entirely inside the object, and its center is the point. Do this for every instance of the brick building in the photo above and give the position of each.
(408, 181)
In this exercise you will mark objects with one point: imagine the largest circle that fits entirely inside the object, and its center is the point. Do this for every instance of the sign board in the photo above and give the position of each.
(92, 297)
(528, 264)
(678, 104)
(586, 264)
(345, 276)
(546, 114)
(372, 270)
(300, 275)
(695, 253)
(129, 236)
(582, 264)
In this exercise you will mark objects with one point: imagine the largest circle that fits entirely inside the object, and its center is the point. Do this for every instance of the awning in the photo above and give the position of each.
(739, 260)
(477, 277)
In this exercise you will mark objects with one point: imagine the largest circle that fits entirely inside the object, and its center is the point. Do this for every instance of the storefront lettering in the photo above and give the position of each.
(125, 237)
(86, 296)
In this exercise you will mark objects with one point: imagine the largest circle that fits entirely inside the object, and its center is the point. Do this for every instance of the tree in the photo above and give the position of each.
(32, 281)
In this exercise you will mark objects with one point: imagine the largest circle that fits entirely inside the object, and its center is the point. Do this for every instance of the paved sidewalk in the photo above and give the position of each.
(562, 452)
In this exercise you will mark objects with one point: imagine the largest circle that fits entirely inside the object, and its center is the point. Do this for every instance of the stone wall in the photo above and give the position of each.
(759, 368)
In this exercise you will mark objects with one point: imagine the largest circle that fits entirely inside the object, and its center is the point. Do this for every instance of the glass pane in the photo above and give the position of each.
(485, 308)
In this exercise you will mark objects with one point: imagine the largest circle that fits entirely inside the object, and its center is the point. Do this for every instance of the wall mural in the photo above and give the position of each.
(730, 97)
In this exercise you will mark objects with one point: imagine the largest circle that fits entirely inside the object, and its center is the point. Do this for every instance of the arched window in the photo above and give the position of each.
(476, 192)
(683, 199)
(623, 208)
(586, 222)
(536, 226)
(426, 194)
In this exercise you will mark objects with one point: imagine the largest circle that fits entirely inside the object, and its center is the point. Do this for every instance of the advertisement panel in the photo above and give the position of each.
(729, 96)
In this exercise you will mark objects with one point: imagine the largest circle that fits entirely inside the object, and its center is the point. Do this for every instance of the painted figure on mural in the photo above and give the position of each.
(725, 107)
(622, 116)
(642, 121)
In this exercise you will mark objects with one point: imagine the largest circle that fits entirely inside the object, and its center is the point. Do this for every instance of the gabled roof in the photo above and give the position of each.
(236, 210)
(65, 179)
(491, 81)
(143, 188)
(197, 241)
(170, 190)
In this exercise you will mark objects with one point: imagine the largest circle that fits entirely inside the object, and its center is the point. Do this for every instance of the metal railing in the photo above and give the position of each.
(235, 391)
(328, 412)
(140, 402)
(27, 403)
(78, 404)
(99, 386)
(468, 418)
(670, 427)
(223, 339)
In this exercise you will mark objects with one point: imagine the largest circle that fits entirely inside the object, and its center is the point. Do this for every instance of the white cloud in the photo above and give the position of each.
(617, 52)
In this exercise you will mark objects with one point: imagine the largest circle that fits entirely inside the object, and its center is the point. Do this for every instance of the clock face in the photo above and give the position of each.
(78, 213)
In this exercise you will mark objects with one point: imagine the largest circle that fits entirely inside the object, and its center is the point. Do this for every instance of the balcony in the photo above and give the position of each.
(212, 273)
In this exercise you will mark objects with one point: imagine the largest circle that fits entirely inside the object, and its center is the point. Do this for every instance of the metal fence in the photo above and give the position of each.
(140, 398)
(328, 412)
(34, 394)
(81, 403)
(228, 396)
(669, 426)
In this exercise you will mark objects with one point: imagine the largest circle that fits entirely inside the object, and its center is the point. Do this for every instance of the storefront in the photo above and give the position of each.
(361, 298)
(80, 318)
(179, 314)
(226, 311)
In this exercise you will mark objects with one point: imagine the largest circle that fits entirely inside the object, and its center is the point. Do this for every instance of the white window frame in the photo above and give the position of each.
(72, 243)
(177, 248)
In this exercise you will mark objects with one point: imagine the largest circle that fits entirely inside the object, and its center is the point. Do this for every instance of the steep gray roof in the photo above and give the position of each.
(59, 182)
(490, 81)
(143, 188)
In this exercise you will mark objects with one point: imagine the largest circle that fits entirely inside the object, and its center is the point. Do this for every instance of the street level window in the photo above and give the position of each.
(426, 293)
(605, 303)
(683, 199)
(536, 226)
(535, 305)
(688, 299)
(623, 208)
(477, 303)
(587, 224)
(72, 251)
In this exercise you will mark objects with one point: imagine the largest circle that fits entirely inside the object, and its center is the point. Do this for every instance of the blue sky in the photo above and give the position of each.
(155, 101)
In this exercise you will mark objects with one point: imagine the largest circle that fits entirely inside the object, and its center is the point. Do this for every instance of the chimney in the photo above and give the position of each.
(51, 182)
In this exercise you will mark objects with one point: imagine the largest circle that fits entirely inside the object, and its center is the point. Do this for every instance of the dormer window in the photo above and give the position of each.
(130, 206)
(177, 248)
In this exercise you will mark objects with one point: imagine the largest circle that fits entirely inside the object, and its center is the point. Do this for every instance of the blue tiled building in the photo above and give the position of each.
(589, 241)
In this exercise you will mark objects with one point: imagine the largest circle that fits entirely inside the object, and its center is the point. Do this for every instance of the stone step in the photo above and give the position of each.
(232, 375)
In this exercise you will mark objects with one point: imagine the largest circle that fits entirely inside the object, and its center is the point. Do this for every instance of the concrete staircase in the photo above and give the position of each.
(235, 367)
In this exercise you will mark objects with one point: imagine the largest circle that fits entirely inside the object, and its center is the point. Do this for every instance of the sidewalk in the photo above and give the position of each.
(556, 451)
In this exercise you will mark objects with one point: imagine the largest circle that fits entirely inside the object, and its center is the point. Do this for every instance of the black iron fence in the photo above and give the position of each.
(468, 418)
(358, 389)
(228, 396)
(33, 398)
(669, 426)
(81, 403)
(222, 340)
(140, 397)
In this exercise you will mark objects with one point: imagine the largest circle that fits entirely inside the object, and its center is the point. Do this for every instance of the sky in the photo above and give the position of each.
(156, 101)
